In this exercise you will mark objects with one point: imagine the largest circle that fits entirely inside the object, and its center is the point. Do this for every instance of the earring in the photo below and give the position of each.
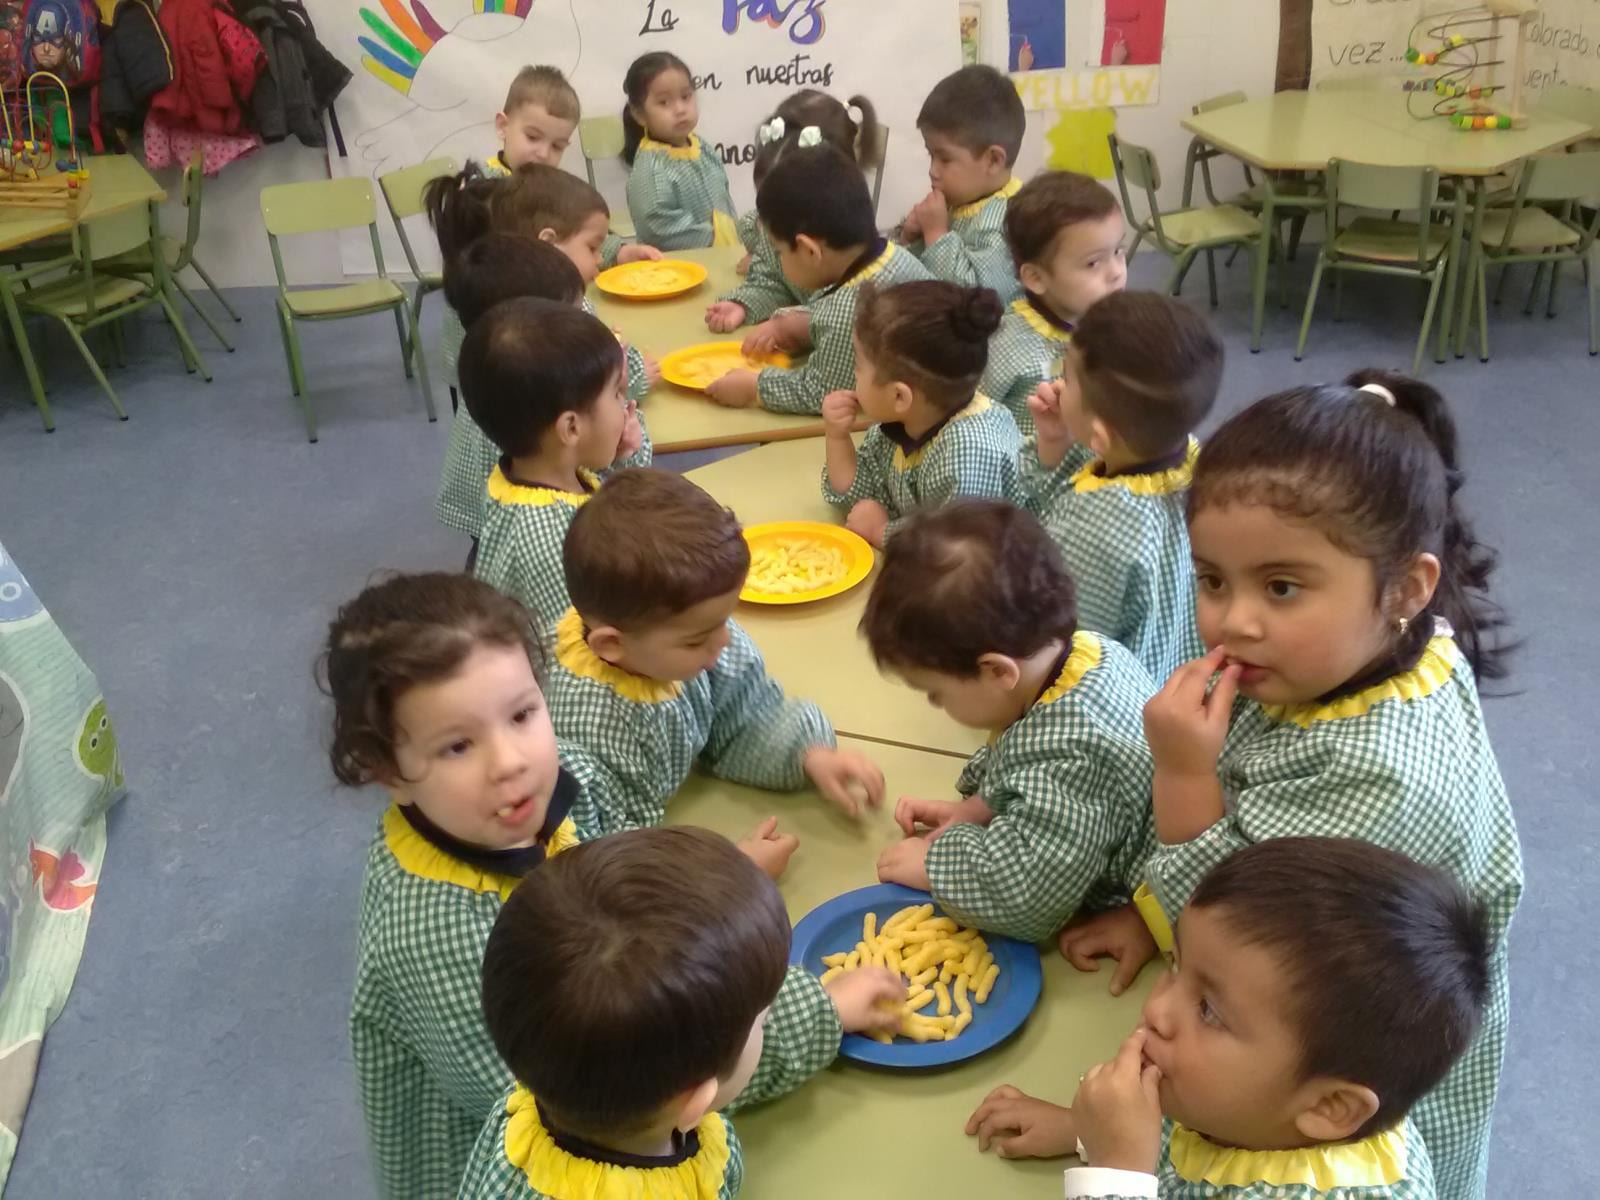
(1402, 624)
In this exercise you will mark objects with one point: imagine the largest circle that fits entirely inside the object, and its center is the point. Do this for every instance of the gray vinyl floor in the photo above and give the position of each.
(195, 553)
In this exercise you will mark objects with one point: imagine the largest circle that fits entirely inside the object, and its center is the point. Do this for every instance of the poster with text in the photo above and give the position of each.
(431, 74)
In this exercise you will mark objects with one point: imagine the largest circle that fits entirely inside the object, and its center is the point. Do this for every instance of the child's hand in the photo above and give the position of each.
(632, 432)
(1019, 1126)
(1054, 438)
(742, 267)
(769, 849)
(839, 410)
(910, 229)
(1120, 935)
(868, 999)
(736, 389)
(906, 863)
(1184, 725)
(725, 316)
(634, 252)
(761, 341)
(1118, 1110)
(844, 777)
(793, 329)
(652, 369)
(870, 520)
(932, 215)
(912, 811)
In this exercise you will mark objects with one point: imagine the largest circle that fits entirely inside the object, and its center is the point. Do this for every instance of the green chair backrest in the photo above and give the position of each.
(120, 233)
(1226, 100)
(402, 189)
(1561, 176)
(1137, 164)
(1362, 185)
(319, 206)
(600, 137)
(876, 156)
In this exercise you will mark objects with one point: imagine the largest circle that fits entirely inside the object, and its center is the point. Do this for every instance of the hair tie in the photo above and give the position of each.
(1383, 393)
(810, 136)
(772, 131)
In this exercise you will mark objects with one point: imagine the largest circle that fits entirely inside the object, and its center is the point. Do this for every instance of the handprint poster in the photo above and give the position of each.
(1069, 55)
(1037, 35)
(433, 74)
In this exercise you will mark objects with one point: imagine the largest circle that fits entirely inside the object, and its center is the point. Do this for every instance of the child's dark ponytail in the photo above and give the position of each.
(1378, 479)
(636, 87)
(931, 334)
(869, 131)
(458, 208)
(1462, 597)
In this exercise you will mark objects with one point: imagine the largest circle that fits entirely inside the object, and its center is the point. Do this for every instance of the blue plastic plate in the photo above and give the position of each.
(836, 925)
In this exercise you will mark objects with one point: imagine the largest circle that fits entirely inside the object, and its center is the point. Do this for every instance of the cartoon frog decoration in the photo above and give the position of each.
(97, 749)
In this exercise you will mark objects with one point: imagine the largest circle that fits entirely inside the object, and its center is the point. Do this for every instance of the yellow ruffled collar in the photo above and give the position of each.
(875, 267)
(1040, 323)
(1084, 657)
(1012, 187)
(689, 153)
(575, 654)
(503, 491)
(552, 1171)
(1157, 483)
(905, 459)
(1376, 1161)
(420, 857)
(1437, 664)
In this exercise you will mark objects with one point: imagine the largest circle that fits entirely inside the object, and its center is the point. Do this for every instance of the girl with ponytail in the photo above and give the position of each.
(921, 348)
(807, 118)
(677, 189)
(1345, 602)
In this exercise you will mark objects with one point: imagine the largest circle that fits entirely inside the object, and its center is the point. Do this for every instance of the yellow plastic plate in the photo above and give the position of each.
(693, 367)
(850, 554)
(660, 280)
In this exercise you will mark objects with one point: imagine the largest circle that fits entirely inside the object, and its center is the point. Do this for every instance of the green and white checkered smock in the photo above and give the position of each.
(520, 550)
(974, 252)
(470, 457)
(638, 738)
(427, 1067)
(1024, 352)
(1391, 1165)
(1069, 784)
(1405, 764)
(764, 289)
(516, 1158)
(831, 366)
(678, 196)
(975, 453)
(1125, 541)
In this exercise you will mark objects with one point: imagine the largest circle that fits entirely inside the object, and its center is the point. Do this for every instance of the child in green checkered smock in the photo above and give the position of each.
(972, 123)
(520, 540)
(649, 560)
(763, 291)
(1324, 738)
(1064, 233)
(1323, 985)
(627, 1099)
(972, 607)
(448, 850)
(833, 249)
(920, 350)
(677, 187)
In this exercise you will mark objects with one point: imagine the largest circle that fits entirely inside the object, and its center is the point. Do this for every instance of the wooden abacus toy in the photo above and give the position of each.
(30, 175)
(1469, 80)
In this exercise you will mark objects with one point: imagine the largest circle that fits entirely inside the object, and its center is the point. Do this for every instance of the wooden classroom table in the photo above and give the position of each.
(117, 183)
(853, 1132)
(1301, 131)
(685, 420)
(813, 650)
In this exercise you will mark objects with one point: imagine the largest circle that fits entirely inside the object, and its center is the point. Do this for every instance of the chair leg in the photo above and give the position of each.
(297, 378)
(1297, 226)
(1311, 305)
(288, 355)
(118, 349)
(185, 344)
(1238, 246)
(1550, 300)
(94, 367)
(405, 338)
(19, 335)
(1180, 270)
(1338, 297)
(1133, 246)
(1427, 318)
(414, 310)
(1592, 279)
(1483, 313)
(1500, 284)
(1533, 291)
(215, 290)
(1211, 274)
(202, 314)
(422, 368)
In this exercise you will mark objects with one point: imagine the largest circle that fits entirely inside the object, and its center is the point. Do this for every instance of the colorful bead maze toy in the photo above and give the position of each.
(31, 176)
(1469, 52)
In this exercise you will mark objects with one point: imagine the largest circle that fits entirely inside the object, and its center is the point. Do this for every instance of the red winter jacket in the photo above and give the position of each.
(216, 61)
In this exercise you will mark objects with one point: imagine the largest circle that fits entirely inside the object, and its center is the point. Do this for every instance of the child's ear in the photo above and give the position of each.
(1412, 591)
(606, 642)
(999, 669)
(995, 158)
(904, 398)
(500, 123)
(548, 235)
(1336, 1111)
(808, 245)
(1032, 277)
(1100, 437)
(693, 1105)
(568, 427)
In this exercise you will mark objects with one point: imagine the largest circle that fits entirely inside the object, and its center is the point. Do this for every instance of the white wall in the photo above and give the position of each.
(1211, 46)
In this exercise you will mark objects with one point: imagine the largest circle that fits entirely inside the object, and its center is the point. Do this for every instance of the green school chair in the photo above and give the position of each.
(90, 297)
(877, 156)
(402, 192)
(180, 254)
(1420, 249)
(1293, 195)
(601, 138)
(325, 206)
(1543, 225)
(1180, 234)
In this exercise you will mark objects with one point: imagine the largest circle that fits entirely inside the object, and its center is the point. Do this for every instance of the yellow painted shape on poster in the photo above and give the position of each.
(1078, 141)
